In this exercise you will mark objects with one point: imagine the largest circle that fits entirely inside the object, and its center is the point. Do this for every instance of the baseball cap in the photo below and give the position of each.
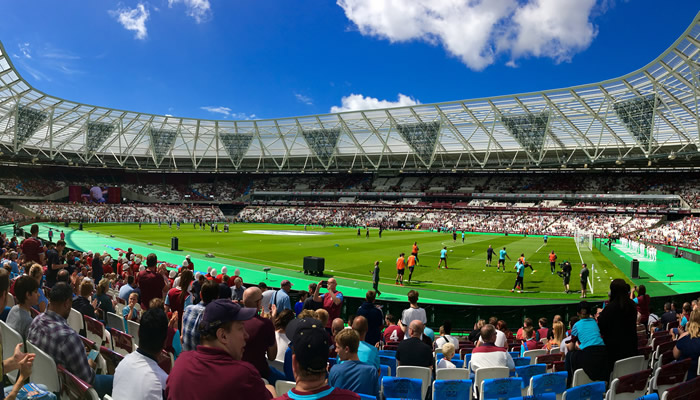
(220, 311)
(286, 282)
(310, 344)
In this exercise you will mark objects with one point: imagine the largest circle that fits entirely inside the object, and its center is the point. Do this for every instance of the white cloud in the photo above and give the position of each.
(227, 112)
(356, 102)
(24, 49)
(304, 99)
(200, 10)
(133, 19)
(477, 31)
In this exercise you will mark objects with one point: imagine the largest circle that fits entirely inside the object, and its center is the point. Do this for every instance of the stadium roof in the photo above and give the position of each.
(647, 117)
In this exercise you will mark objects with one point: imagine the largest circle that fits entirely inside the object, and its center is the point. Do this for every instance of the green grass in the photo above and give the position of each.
(352, 257)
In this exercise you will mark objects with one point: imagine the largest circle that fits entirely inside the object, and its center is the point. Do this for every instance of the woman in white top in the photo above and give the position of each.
(281, 321)
(448, 351)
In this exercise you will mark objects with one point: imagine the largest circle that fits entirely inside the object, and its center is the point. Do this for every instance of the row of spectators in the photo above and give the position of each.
(684, 233)
(564, 224)
(95, 212)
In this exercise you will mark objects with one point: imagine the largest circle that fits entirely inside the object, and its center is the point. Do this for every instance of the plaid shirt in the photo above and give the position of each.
(190, 326)
(51, 333)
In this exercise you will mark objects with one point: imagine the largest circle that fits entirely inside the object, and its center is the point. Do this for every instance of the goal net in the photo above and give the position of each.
(584, 239)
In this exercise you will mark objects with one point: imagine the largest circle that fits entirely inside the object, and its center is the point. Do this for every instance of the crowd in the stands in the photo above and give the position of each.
(146, 213)
(263, 343)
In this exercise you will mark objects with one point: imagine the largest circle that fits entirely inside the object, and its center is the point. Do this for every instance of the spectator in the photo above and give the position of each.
(445, 337)
(138, 376)
(55, 262)
(303, 295)
(351, 373)
(126, 290)
(618, 323)
(332, 300)
(501, 340)
(104, 302)
(97, 270)
(589, 351)
(178, 297)
(643, 301)
(375, 318)
(237, 289)
(475, 336)
(309, 303)
(199, 281)
(37, 272)
(282, 319)
(130, 312)
(688, 345)
(530, 342)
(488, 354)
(412, 313)
(309, 362)
(50, 332)
(193, 316)
(502, 327)
(448, 351)
(563, 346)
(32, 248)
(526, 322)
(366, 352)
(267, 294)
(413, 351)
(261, 345)
(393, 332)
(20, 316)
(669, 315)
(150, 282)
(557, 335)
(223, 337)
(19, 360)
(543, 331)
(82, 302)
(281, 297)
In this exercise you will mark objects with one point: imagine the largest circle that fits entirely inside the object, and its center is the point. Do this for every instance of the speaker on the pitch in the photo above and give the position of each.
(635, 269)
(174, 243)
(314, 265)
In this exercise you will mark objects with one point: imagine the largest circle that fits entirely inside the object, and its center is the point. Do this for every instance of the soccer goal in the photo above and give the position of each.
(584, 239)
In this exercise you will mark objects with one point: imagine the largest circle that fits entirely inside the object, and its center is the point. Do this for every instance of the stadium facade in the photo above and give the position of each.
(647, 118)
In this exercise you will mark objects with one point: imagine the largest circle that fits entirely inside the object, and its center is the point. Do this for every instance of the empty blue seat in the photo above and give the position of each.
(389, 361)
(452, 389)
(554, 382)
(591, 391)
(390, 353)
(529, 371)
(521, 361)
(543, 396)
(401, 388)
(501, 388)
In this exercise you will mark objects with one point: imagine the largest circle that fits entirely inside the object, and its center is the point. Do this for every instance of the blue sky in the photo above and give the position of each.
(233, 59)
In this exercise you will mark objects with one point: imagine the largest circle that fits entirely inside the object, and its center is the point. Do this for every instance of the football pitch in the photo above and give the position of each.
(349, 256)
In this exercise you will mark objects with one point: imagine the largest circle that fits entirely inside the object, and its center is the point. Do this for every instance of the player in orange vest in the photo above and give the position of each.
(411, 265)
(552, 262)
(400, 268)
(414, 251)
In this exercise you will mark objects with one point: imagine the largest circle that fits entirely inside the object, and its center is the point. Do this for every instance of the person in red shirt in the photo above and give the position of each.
(400, 268)
(150, 282)
(530, 342)
(190, 263)
(32, 248)
(223, 338)
(332, 300)
(220, 277)
(393, 332)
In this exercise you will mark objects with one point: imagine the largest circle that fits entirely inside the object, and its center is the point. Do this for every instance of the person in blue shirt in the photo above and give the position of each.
(586, 349)
(545, 237)
(443, 257)
(351, 373)
(502, 259)
(281, 297)
(303, 295)
(462, 236)
(520, 274)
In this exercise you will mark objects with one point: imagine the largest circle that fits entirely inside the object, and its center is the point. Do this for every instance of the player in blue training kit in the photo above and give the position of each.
(520, 274)
(502, 259)
(443, 257)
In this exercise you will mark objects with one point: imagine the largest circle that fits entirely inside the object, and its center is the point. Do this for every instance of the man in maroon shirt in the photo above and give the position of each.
(32, 249)
(309, 362)
(262, 342)
(219, 355)
(150, 282)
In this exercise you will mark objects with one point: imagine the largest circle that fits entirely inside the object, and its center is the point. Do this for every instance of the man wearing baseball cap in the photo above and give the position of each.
(223, 338)
(310, 361)
(281, 297)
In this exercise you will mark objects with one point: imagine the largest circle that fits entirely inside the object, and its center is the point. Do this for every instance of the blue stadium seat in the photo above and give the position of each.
(501, 388)
(452, 389)
(554, 383)
(521, 361)
(390, 361)
(390, 353)
(401, 388)
(383, 371)
(543, 396)
(590, 391)
(652, 396)
(529, 371)
(367, 397)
